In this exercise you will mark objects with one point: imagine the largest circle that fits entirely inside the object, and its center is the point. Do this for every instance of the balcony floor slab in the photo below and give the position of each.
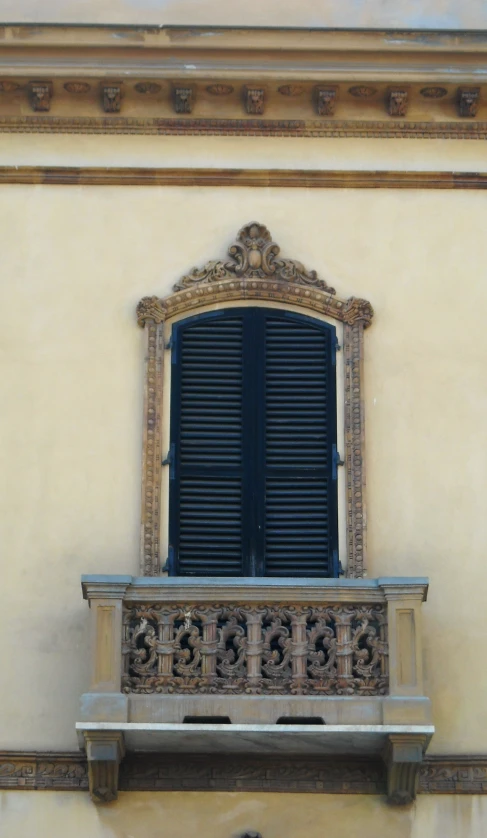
(302, 740)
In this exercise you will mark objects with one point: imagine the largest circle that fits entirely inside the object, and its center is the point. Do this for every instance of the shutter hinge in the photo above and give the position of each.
(169, 459)
(335, 347)
(336, 461)
(170, 343)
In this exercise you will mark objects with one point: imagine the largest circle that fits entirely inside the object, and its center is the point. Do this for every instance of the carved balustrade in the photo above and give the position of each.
(245, 665)
(255, 649)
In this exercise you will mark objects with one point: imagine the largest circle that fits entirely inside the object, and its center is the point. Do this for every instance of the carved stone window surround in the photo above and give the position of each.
(255, 272)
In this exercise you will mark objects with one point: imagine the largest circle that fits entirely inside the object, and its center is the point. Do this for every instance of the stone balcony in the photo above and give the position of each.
(256, 666)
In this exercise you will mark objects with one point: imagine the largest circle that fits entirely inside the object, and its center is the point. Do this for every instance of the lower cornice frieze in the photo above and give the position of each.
(167, 772)
(244, 127)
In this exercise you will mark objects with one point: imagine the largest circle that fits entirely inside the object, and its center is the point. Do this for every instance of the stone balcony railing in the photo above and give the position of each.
(250, 665)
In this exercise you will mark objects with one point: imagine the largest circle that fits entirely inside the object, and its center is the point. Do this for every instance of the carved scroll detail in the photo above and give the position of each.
(283, 650)
(254, 256)
(150, 308)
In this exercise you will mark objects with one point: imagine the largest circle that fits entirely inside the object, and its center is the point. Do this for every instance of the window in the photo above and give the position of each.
(253, 445)
(253, 271)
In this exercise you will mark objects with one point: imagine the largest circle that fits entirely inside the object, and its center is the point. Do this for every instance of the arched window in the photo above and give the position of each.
(252, 433)
(253, 445)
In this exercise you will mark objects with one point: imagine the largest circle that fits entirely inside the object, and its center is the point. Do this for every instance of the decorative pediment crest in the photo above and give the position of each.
(254, 271)
(254, 256)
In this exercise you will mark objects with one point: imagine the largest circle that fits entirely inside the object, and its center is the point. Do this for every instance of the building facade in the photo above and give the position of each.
(243, 420)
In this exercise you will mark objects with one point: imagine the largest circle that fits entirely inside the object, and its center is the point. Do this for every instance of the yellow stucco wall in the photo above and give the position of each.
(75, 261)
(227, 815)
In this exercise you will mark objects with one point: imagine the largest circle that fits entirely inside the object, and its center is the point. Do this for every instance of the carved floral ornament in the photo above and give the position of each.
(255, 270)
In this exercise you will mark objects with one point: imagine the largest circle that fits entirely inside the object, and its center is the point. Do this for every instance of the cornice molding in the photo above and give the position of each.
(217, 80)
(65, 771)
(279, 178)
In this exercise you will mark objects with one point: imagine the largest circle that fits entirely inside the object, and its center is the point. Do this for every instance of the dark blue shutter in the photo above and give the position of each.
(206, 495)
(253, 424)
(300, 431)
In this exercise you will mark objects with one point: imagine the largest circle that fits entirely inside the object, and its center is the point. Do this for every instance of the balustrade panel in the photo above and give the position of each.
(286, 649)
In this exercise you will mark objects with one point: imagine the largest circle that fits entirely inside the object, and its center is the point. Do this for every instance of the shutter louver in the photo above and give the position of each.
(253, 427)
(299, 434)
(209, 448)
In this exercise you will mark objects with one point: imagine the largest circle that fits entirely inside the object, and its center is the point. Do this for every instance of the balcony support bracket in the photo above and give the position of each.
(105, 751)
(403, 755)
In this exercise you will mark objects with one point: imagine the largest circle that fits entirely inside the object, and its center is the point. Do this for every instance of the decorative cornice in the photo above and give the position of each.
(219, 80)
(284, 178)
(60, 771)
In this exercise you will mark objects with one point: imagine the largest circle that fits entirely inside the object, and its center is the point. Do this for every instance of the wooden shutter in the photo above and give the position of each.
(252, 434)
(207, 481)
(300, 431)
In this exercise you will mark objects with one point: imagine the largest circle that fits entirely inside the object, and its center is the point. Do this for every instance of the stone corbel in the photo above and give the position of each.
(40, 94)
(111, 98)
(397, 101)
(105, 751)
(326, 101)
(403, 756)
(254, 100)
(468, 101)
(183, 99)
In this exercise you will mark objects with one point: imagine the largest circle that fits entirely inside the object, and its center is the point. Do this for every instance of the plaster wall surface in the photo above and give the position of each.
(75, 261)
(424, 14)
(228, 815)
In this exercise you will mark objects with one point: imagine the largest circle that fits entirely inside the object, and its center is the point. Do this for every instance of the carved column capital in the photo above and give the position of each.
(150, 308)
(358, 311)
(105, 751)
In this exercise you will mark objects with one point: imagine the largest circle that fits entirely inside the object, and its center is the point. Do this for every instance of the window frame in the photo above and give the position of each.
(255, 271)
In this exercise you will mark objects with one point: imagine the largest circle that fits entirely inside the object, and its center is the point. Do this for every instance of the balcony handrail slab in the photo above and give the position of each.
(264, 589)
